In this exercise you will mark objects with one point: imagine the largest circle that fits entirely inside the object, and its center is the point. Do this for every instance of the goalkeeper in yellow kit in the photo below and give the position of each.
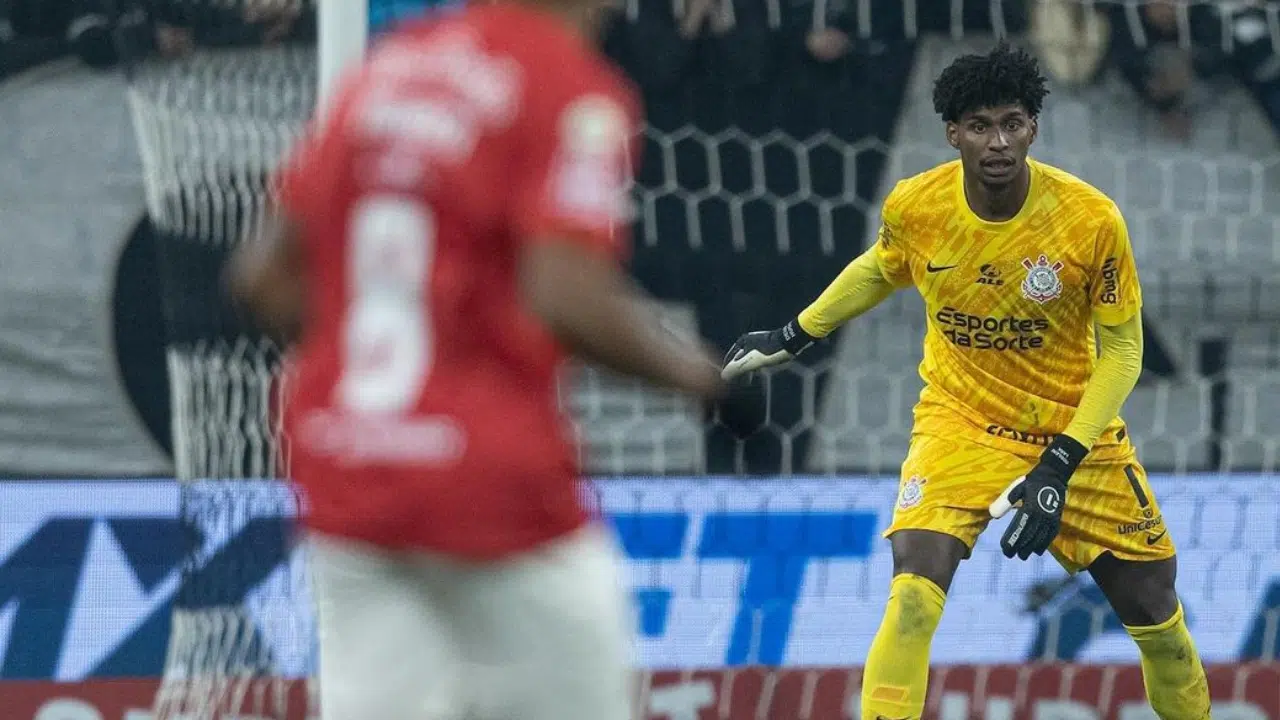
(1017, 263)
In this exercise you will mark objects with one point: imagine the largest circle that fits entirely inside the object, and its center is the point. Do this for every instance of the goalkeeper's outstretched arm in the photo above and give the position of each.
(858, 288)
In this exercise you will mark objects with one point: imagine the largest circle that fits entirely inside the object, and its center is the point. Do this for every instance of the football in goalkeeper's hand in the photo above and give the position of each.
(744, 408)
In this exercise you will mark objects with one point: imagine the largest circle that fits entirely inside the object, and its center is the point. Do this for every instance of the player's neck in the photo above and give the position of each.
(998, 203)
(579, 18)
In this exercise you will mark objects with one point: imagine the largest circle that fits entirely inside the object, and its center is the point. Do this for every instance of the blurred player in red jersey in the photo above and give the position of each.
(453, 222)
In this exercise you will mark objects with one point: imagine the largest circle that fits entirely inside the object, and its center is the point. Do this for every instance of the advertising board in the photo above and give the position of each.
(726, 573)
(960, 692)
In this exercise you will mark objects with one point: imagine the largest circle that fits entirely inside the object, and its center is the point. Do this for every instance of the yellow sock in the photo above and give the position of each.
(896, 677)
(1176, 686)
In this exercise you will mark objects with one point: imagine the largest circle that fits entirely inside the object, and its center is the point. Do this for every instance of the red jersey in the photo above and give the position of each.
(423, 408)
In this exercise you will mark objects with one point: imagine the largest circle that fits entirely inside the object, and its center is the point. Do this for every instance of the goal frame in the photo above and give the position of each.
(342, 39)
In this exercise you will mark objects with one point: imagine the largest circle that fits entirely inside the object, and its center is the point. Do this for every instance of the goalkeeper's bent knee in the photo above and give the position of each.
(1171, 671)
(896, 676)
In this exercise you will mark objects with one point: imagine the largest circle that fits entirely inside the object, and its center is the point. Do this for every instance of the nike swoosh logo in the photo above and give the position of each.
(930, 267)
(1153, 539)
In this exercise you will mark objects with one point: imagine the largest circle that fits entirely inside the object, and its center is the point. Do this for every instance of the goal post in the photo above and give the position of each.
(342, 39)
(212, 126)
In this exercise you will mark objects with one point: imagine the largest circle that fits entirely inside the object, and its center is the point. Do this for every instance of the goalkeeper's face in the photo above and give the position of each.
(993, 142)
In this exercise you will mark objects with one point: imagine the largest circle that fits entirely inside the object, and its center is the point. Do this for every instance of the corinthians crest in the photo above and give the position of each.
(1042, 283)
(912, 492)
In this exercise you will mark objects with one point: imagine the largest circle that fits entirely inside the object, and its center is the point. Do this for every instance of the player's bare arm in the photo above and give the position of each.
(858, 288)
(266, 275)
(592, 307)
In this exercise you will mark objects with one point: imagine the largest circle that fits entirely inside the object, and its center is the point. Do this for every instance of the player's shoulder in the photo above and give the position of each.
(1072, 191)
(924, 191)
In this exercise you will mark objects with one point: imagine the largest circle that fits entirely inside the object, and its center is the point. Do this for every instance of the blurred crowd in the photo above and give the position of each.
(1174, 53)
(103, 33)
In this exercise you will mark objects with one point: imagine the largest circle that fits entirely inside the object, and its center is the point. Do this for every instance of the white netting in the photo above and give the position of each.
(1204, 219)
(212, 127)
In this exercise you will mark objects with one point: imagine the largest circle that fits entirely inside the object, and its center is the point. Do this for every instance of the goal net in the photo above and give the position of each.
(212, 126)
(743, 216)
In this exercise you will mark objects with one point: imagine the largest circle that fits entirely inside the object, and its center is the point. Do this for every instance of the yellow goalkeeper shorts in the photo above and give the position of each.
(947, 485)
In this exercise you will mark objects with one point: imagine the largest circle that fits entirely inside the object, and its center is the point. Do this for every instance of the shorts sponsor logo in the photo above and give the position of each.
(1049, 499)
(1145, 526)
(912, 492)
(989, 332)
(1042, 283)
(1110, 294)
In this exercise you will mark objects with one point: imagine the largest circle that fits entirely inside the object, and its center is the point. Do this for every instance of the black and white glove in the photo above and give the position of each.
(765, 348)
(1040, 497)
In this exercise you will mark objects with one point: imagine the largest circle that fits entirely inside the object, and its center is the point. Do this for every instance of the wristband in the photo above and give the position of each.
(795, 339)
(1065, 454)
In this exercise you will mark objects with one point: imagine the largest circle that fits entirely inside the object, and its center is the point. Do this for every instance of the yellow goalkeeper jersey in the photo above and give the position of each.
(1009, 344)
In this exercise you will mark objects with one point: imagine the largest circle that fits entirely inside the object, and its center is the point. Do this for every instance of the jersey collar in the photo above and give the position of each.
(969, 215)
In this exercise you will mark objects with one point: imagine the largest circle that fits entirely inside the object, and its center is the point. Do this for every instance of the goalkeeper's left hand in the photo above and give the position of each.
(1040, 496)
(765, 348)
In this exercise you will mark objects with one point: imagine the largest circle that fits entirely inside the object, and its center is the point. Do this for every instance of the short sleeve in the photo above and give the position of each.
(1116, 293)
(891, 243)
(573, 182)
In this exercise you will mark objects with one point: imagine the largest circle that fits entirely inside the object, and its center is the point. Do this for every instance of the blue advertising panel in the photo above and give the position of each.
(724, 572)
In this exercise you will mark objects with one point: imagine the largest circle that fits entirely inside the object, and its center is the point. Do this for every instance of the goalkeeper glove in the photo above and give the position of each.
(766, 348)
(1042, 494)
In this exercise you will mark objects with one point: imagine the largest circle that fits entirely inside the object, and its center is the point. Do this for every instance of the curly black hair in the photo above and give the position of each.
(1004, 76)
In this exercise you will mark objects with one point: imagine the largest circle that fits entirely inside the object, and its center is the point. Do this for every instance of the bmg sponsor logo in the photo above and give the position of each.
(1110, 282)
(986, 332)
(1020, 435)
